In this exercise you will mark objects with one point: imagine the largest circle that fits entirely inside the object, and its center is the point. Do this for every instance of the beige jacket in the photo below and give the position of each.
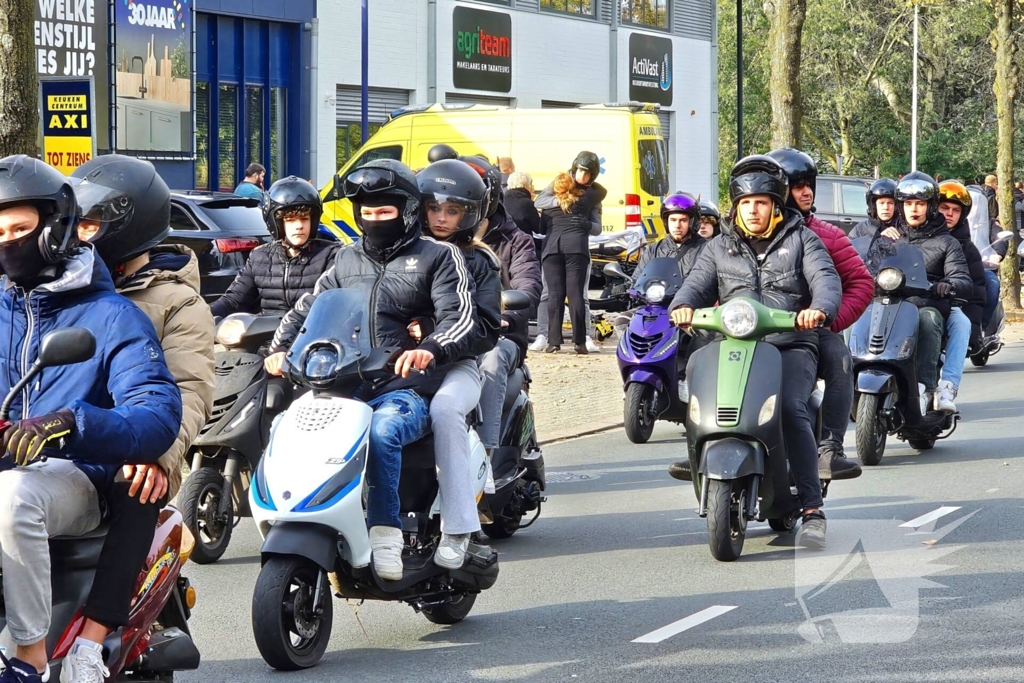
(184, 324)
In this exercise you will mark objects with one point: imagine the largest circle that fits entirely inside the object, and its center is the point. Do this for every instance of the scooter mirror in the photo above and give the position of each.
(1004, 234)
(67, 346)
(614, 270)
(515, 300)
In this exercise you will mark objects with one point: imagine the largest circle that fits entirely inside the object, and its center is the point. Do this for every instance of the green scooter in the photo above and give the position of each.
(734, 425)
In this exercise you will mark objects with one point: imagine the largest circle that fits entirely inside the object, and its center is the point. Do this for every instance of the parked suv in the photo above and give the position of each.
(221, 228)
(840, 201)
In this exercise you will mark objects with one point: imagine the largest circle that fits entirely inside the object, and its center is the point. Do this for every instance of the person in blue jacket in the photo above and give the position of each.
(75, 426)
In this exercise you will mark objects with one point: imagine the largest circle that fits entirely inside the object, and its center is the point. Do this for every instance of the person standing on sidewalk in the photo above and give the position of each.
(252, 186)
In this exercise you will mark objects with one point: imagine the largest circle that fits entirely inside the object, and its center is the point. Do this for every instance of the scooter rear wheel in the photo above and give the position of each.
(921, 444)
(638, 412)
(980, 360)
(870, 431)
(727, 523)
(452, 612)
(200, 500)
(289, 633)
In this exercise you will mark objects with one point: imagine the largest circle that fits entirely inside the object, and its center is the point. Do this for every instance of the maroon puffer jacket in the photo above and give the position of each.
(858, 285)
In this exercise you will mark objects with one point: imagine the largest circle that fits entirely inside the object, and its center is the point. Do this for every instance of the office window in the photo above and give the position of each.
(584, 7)
(278, 121)
(202, 135)
(227, 131)
(254, 124)
(645, 12)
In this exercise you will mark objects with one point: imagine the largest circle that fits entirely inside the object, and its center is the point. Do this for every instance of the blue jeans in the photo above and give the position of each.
(958, 332)
(991, 297)
(399, 419)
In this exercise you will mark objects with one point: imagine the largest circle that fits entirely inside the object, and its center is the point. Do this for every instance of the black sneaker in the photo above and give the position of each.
(833, 463)
(812, 531)
(552, 348)
(680, 470)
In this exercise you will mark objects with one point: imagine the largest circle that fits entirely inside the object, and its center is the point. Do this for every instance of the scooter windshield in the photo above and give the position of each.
(902, 256)
(334, 336)
(663, 271)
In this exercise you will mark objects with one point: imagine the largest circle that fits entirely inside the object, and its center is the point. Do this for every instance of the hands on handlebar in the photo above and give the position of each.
(807, 319)
(944, 290)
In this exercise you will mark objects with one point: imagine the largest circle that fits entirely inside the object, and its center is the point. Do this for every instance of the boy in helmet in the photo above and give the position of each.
(278, 274)
(400, 271)
(765, 242)
(125, 210)
(881, 201)
(121, 407)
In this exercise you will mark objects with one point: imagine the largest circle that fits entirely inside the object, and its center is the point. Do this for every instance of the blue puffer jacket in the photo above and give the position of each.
(127, 407)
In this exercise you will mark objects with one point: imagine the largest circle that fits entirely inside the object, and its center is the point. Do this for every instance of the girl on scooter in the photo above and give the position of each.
(455, 201)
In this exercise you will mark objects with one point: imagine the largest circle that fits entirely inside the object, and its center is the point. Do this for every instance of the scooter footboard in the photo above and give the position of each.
(731, 458)
(316, 542)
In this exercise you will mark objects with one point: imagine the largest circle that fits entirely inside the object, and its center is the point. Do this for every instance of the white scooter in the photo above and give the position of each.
(308, 500)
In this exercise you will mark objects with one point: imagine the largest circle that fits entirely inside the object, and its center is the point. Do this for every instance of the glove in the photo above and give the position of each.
(943, 290)
(26, 440)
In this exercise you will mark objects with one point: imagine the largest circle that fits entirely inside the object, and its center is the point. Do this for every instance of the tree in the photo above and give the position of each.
(786, 23)
(1005, 88)
(19, 84)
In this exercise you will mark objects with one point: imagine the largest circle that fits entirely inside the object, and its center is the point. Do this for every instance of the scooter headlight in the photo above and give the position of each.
(890, 279)
(767, 410)
(655, 293)
(739, 318)
(320, 363)
(230, 331)
(694, 409)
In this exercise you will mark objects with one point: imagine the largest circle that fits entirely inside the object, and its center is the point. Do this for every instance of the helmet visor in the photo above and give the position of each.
(100, 209)
(368, 181)
(678, 203)
(956, 193)
(468, 210)
(915, 188)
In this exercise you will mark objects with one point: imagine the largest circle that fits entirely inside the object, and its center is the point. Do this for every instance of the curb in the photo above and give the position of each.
(588, 432)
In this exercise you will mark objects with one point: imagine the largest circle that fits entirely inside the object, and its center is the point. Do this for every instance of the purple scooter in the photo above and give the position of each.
(651, 352)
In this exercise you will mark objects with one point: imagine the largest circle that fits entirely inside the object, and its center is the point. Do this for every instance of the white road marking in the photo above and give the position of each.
(689, 622)
(929, 518)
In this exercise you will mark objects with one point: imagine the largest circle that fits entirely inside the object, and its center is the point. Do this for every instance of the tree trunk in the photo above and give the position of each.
(786, 20)
(19, 85)
(1005, 88)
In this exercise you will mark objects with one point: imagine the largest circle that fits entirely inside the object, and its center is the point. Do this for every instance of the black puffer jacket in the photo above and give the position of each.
(272, 282)
(418, 277)
(520, 269)
(976, 301)
(687, 252)
(943, 259)
(519, 206)
(796, 273)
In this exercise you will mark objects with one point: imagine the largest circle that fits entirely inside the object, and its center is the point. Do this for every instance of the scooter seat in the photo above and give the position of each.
(78, 552)
(513, 388)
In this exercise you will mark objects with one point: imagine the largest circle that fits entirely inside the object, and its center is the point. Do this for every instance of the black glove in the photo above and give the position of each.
(943, 290)
(26, 440)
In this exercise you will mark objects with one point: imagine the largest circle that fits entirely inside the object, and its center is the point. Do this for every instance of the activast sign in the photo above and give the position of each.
(482, 50)
(650, 69)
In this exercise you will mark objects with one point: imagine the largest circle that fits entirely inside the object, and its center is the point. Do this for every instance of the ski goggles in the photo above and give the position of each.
(368, 181)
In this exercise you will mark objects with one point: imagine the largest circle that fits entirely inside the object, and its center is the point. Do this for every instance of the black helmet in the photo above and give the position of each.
(918, 185)
(129, 200)
(291, 193)
(455, 181)
(492, 179)
(758, 174)
(684, 203)
(588, 161)
(25, 180)
(384, 179)
(883, 187)
(799, 168)
(709, 208)
(440, 152)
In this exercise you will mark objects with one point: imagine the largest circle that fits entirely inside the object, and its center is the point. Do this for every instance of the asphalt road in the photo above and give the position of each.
(619, 554)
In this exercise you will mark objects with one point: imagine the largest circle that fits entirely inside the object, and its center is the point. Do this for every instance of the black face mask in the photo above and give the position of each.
(21, 260)
(382, 235)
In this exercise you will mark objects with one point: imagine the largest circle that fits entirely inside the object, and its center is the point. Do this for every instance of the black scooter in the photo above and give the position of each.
(883, 343)
(228, 449)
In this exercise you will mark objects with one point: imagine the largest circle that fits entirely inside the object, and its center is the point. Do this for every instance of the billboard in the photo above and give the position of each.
(71, 40)
(482, 50)
(153, 76)
(69, 131)
(650, 69)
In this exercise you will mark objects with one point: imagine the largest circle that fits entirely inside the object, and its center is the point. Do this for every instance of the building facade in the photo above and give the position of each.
(526, 54)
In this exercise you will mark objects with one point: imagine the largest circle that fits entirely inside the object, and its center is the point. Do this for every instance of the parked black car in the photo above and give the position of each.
(840, 200)
(221, 228)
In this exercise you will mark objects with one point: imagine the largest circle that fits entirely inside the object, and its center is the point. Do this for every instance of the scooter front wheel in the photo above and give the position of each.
(870, 431)
(451, 612)
(291, 630)
(727, 522)
(980, 360)
(200, 501)
(638, 412)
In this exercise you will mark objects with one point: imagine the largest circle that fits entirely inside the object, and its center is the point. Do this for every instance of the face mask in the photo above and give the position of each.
(21, 261)
(382, 235)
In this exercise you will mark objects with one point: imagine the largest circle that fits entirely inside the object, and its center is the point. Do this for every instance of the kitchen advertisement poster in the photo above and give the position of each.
(69, 130)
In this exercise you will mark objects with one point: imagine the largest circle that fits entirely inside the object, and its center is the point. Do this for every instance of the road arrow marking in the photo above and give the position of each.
(929, 518)
(677, 627)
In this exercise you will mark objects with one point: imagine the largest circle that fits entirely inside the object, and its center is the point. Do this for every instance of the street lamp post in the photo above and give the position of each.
(913, 114)
(365, 118)
(739, 79)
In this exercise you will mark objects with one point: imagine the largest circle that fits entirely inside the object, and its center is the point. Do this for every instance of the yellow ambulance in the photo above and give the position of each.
(627, 138)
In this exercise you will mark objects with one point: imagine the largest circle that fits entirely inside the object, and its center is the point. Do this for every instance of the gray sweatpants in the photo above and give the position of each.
(46, 499)
(542, 309)
(458, 396)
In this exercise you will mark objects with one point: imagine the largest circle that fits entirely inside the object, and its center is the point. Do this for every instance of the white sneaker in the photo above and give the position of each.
(489, 488)
(592, 347)
(451, 551)
(684, 391)
(540, 343)
(944, 395)
(84, 664)
(386, 544)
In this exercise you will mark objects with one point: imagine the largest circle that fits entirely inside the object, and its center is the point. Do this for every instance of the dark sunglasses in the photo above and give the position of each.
(368, 181)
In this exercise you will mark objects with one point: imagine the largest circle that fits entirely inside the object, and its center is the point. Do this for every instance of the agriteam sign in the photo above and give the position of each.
(650, 69)
(69, 132)
(482, 50)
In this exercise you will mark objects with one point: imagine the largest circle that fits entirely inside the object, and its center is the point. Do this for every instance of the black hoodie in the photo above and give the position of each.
(976, 302)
